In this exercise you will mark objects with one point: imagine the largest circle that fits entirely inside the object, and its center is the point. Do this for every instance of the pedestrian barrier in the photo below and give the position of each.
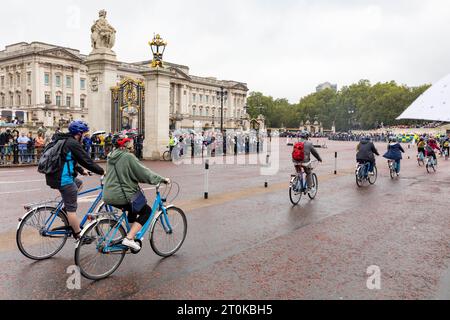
(266, 184)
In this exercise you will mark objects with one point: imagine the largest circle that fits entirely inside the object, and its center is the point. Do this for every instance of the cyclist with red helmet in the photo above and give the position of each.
(73, 160)
(121, 185)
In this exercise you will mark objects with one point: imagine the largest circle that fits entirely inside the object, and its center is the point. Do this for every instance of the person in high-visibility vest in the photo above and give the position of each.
(172, 142)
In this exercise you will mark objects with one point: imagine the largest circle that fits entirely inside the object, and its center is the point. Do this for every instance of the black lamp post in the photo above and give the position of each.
(222, 95)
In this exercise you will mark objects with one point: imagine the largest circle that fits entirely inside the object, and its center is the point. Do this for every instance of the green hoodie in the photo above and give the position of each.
(131, 172)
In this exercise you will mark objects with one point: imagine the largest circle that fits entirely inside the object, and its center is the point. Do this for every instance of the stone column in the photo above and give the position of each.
(157, 112)
(102, 75)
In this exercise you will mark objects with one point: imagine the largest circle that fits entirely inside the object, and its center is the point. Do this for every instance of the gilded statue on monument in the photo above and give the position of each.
(103, 34)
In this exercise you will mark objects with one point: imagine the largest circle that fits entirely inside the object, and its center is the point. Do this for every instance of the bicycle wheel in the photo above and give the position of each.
(373, 179)
(392, 171)
(166, 243)
(314, 188)
(31, 238)
(167, 156)
(294, 196)
(89, 257)
(359, 177)
(428, 166)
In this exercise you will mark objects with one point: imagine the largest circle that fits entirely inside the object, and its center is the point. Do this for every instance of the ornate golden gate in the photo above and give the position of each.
(127, 103)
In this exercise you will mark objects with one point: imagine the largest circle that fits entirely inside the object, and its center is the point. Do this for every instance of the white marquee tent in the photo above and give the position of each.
(433, 104)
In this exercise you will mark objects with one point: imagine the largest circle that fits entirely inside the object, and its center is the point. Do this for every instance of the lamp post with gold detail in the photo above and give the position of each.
(158, 46)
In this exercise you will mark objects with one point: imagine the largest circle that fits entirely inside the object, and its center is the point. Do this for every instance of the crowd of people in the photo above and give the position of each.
(26, 148)
(20, 148)
(212, 143)
(98, 146)
(349, 136)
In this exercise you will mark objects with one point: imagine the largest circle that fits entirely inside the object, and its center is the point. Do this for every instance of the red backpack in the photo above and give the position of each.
(299, 152)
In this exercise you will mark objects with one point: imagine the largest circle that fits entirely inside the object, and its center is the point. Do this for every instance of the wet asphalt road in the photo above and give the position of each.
(248, 242)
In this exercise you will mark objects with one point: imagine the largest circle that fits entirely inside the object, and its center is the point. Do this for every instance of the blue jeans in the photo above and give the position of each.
(23, 153)
(397, 166)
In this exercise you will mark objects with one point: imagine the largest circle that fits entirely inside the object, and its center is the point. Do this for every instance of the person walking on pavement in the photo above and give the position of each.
(74, 159)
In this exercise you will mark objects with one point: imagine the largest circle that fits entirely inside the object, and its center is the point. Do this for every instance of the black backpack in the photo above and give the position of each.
(51, 160)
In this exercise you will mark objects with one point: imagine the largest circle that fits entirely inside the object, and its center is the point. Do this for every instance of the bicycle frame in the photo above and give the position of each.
(363, 170)
(157, 205)
(52, 217)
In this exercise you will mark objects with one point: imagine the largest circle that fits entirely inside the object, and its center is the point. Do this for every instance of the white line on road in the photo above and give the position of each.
(22, 191)
(27, 181)
(16, 171)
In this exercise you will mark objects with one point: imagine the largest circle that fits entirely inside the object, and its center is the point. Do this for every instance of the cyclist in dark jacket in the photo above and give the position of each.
(75, 158)
(366, 152)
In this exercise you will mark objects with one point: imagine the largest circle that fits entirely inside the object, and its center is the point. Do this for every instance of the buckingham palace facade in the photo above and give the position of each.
(49, 85)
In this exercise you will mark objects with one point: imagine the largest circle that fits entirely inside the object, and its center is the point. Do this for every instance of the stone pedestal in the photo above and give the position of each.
(102, 64)
(157, 112)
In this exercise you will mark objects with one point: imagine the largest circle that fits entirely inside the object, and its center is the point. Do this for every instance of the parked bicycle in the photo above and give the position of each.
(99, 252)
(362, 174)
(43, 231)
(299, 187)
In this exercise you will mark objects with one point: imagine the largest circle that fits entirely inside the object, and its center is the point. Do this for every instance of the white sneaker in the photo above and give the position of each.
(131, 244)
(371, 173)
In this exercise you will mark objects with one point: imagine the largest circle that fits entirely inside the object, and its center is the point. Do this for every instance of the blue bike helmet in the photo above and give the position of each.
(78, 127)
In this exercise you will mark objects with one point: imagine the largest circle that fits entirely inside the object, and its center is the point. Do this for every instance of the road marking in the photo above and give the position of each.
(17, 171)
(26, 181)
(12, 192)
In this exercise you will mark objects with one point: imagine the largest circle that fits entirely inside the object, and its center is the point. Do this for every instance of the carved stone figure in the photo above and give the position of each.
(94, 83)
(103, 34)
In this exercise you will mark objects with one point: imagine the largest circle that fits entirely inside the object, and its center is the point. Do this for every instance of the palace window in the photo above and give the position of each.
(83, 84)
(68, 81)
(47, 79)
(58, 81)
(207, 99)
(201, 98)
(2, 81)
(82, 102)
(29, 99)
(47, 98)
(29, 78)
(19, 100)
(3, 100)
(68, 101)
(58, 100)
(193, 97)
(19, 80)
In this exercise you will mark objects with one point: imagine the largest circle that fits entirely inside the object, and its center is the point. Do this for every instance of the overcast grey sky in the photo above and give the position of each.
(282, 48)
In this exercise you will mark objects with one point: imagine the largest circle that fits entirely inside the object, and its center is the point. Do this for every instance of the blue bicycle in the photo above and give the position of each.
(99, 252)
(363, 176)
(43, 231)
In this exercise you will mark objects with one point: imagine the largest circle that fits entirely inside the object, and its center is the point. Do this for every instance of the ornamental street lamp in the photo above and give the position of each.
(158, 46)
(222, 95)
